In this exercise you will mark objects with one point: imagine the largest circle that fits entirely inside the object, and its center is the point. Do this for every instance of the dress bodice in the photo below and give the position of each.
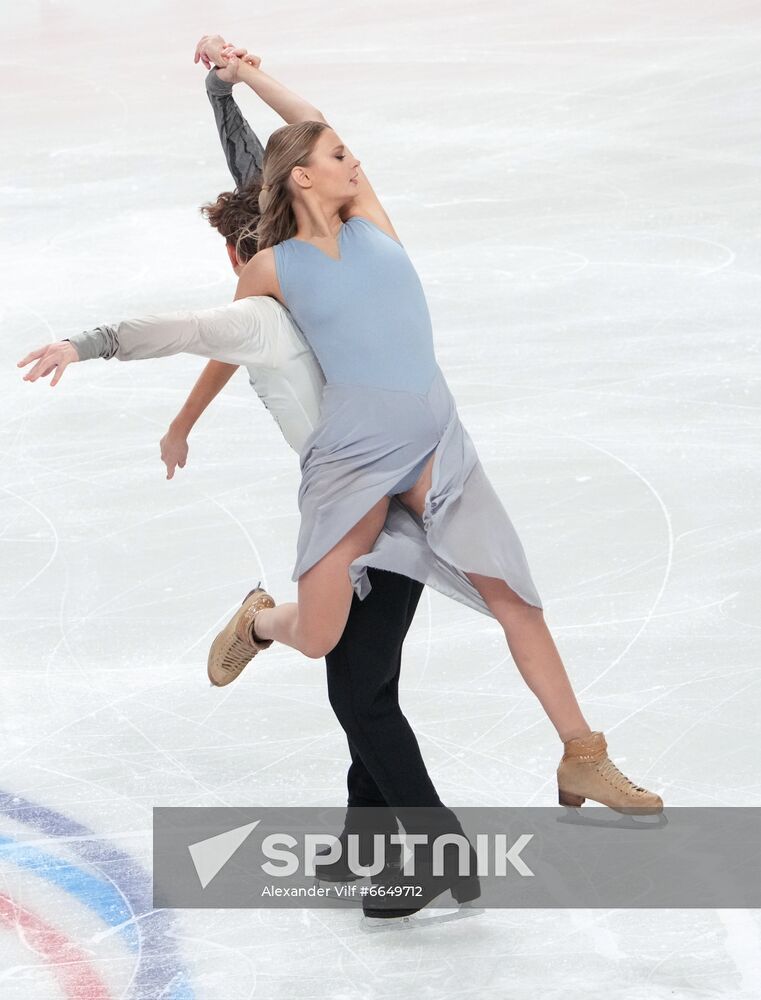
(365, 314)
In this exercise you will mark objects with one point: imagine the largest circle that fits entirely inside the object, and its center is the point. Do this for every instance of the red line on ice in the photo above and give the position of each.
(70, 965)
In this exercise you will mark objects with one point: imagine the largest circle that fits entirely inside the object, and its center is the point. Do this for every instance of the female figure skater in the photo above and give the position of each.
(388, 429)
(388, 442)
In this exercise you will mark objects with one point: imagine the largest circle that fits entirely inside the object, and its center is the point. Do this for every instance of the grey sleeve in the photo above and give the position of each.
(242, 332)
(243, 150)
(102, 342)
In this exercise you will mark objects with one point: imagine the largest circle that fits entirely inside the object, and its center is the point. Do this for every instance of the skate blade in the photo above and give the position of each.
(420, 920)
(575, 816)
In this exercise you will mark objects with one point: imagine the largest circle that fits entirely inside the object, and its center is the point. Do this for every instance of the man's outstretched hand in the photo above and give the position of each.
(50, 358)
(213, 50)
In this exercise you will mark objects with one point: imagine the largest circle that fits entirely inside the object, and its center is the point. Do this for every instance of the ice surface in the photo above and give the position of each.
(578, 186)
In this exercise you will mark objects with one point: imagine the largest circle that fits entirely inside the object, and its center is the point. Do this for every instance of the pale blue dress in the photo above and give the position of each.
(385, 409)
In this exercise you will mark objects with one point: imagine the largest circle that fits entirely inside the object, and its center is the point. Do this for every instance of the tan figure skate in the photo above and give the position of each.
(235, 646)
(586, 772)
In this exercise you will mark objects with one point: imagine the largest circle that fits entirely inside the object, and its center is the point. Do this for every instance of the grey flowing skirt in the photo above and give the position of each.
(367, 440)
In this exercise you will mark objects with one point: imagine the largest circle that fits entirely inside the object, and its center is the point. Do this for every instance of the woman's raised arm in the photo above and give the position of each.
(293, 109)
(367, 205)
(286, 103)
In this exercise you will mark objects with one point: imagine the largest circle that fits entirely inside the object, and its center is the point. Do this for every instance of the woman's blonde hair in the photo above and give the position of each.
(288, 147)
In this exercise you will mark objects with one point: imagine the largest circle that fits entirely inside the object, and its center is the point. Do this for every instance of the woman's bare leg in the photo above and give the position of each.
(528, 638)
(535, 654)
(315, 624)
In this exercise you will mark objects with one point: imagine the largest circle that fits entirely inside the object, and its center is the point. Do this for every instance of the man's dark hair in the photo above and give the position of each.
(235, 214)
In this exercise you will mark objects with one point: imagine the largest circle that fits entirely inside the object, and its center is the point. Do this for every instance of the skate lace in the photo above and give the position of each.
(611, 773)
(237, 657)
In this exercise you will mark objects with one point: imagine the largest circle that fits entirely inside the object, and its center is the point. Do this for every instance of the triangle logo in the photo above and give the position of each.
(211, 855)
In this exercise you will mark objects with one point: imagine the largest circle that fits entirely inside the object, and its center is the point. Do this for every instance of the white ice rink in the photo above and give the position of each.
(578, 186)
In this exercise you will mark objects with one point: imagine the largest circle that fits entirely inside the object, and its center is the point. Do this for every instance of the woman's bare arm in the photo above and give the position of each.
(286, 103)
(293, 108)
(367, 204)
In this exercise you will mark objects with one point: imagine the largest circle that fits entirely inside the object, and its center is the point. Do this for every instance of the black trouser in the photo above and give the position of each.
(387, 767)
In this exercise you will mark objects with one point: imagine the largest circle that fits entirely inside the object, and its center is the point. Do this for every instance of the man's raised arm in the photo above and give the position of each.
(244, 154)
(243, 150)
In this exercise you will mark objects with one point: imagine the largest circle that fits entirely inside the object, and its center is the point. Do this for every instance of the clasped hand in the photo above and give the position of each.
(214, 50)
